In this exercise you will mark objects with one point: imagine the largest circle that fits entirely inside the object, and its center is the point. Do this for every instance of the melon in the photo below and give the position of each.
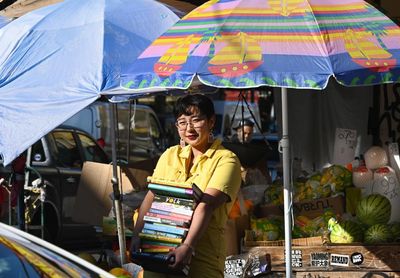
(395, 230)
(345, 231)
(378, 233)
(373, 209)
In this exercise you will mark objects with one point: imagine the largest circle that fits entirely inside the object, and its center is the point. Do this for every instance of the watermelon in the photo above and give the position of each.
(345, 231)
(395, 230)
(373, 209)
(378, 233)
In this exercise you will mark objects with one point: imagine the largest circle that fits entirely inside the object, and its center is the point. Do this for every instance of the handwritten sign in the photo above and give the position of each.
(345, 146)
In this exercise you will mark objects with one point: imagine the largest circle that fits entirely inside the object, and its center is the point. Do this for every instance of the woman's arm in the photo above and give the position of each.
(211, 200)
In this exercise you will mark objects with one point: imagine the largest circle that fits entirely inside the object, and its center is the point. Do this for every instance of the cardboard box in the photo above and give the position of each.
(310, 208)
(93, 198)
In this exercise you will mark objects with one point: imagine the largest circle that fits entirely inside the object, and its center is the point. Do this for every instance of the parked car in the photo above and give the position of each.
(58, 159)
(147, 138)
(24, 255)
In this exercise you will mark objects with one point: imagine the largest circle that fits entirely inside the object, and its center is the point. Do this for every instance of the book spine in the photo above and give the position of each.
(170, 189)
(156, 250)
(156, 244)
(155, 257)
(162, 234)
(185, 221)
(160, 238)
(162, 220)
(174, 200)
(172, 208)
(168, 213)
(166, 228)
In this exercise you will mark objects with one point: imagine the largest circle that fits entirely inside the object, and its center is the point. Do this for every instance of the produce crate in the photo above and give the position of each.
(350, 260)
(310, 208)
(307, 241)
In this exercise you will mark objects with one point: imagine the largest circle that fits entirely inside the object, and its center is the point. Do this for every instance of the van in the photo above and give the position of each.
(139, 130)
(228, 115)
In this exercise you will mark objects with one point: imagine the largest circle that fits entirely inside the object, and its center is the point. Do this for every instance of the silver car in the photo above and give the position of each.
(24, 255)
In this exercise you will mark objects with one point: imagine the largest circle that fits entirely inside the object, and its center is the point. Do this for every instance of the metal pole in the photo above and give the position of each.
(284, 144)
(116, 191)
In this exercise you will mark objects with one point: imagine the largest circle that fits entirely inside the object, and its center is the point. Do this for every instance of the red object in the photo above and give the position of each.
(101, 142)
(165, 70)
(234, 70)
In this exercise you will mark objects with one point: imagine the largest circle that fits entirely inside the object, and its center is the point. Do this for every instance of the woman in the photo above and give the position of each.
(215, 170)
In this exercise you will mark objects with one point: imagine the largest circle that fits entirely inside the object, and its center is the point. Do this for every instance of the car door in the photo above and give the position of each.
(69, 161)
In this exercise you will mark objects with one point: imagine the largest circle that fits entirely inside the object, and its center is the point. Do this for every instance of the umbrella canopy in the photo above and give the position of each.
(58, 59)
(292, 44)
(287, 44)
(4, 21)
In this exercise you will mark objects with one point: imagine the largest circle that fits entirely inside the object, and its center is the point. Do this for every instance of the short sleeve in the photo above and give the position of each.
(226, 177)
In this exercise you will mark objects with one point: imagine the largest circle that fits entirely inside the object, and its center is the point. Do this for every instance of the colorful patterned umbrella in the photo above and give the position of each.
(282, 43)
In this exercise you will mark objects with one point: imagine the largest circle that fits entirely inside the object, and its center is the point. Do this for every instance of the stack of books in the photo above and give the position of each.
(166, 224)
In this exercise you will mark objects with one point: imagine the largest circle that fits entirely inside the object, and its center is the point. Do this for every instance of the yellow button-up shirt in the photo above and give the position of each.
(217, 168)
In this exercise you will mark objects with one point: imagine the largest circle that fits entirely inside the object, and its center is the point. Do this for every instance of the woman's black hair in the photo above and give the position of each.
(200, 102)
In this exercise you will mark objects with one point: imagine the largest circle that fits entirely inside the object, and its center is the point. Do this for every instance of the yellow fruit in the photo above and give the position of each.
(87, 257)
(120, 272)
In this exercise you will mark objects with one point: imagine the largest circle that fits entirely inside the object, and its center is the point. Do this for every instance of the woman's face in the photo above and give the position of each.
(195, 129)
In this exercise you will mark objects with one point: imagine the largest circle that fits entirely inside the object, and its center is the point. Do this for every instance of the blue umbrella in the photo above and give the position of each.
(4, 21)
(57, 60)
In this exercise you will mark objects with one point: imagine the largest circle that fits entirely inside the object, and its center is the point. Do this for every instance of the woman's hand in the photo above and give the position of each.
(180, 256)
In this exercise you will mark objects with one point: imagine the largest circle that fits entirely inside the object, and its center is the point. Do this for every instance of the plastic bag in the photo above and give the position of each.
(247, 265)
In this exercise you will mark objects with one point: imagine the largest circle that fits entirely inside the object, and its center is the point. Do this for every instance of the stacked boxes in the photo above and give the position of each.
(166, 224)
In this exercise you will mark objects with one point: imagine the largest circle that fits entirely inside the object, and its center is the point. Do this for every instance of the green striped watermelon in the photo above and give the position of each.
(378, 233)
(345, 231)
(374, 209)
(395, 229)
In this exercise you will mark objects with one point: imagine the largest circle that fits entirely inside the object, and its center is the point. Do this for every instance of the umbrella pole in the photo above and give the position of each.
(284, 145)
(116, 191)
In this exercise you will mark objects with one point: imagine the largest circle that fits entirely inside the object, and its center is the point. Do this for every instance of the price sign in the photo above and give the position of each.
(345, 146)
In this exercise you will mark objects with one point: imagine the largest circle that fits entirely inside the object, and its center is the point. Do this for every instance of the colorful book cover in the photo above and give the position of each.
(171, 214)
(156, 250)
(185, 222)
(156, 244)
(170, 190)
(162, 234)
(160, 238)
(166, 228)
(174, 200)
(162, 220)
(172, 208)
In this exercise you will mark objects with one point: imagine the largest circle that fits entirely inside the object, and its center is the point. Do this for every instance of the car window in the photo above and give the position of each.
(67, 149)
(91, 151)
(139, 125)
(154, 128)
(38, 154)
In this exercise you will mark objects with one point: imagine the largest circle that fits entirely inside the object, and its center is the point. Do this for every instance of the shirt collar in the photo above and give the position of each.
(185, 153)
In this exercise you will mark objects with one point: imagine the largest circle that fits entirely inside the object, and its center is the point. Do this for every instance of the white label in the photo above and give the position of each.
(345, 146)
(340, 260)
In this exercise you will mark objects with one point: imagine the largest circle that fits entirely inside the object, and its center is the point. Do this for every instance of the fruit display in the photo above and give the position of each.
(373, 209)
(338, 177)
(346, 231)
(378, 233)
(266, 229)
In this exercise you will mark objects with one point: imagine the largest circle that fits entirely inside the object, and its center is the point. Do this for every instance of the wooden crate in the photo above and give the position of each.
(343, 260)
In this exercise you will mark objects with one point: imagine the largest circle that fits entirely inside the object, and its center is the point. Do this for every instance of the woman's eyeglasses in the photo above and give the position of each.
(194, 122)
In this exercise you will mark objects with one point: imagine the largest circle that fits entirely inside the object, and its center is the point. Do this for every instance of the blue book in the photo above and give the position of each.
(165, 228)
